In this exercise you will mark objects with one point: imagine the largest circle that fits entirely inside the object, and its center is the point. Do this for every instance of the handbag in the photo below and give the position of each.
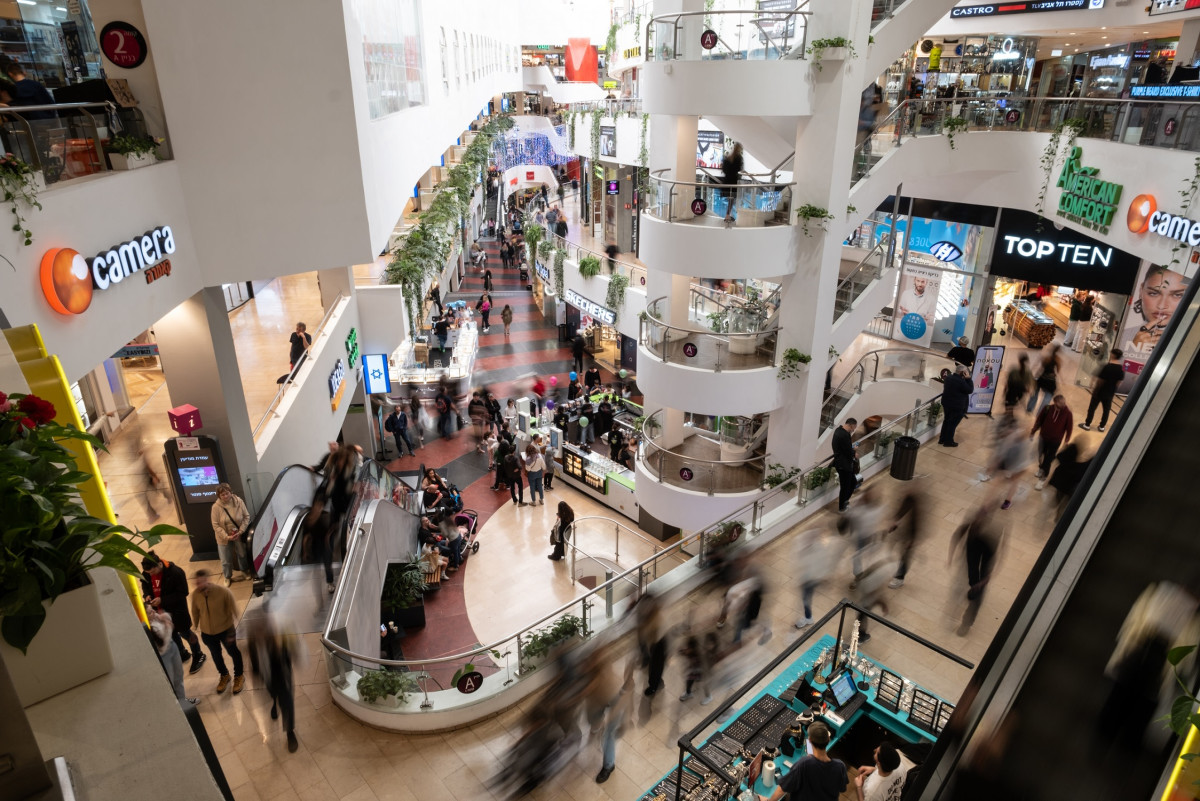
(554, 535)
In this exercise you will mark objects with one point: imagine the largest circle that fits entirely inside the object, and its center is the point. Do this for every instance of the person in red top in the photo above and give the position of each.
(1055, 423)
(539, 393)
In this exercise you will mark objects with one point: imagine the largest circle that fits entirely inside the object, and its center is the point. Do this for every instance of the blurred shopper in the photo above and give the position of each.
(981, 537)
(444, 404)
(731, 174)
(1104, 389)
(577, 349)
(1046, 383)
(271, 657)
(561, 530)
(162, 632)
(874, 564)
(698, 652)
(816, 776)
(651, 640)
(1074, 319)
(817, 552)
(506, 317)
(956, 397)
(864, 523)
(1017, 383)
(230, 520)
(608, 700)
(165, 588)
(1066, 477)
(214, 612)
(155, 484)
(1055, 424)
(1012, 455)
(743, 601)
(845, 461)
(907, 529)
(336, 492)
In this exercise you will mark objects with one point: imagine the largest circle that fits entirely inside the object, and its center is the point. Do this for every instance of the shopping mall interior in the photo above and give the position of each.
(640, 400)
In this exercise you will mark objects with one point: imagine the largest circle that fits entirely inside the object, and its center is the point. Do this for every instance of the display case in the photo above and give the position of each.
(1099, 338)
(1029, 323)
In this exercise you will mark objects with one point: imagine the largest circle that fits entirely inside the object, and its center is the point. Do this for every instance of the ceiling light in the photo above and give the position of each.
(1104, 27)
(27, 2)
(1103, 37)
(1055, 52)
(60, 8)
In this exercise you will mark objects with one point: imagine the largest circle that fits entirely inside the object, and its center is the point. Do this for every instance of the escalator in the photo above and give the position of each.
(291, 580)
(1043, 707)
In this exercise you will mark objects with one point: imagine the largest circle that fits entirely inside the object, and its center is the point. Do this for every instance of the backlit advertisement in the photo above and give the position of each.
(985, 374)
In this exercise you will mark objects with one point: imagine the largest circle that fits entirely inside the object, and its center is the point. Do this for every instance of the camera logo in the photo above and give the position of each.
(66, 281)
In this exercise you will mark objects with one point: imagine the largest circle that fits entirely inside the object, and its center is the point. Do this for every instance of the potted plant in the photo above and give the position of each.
(131, 152)
(837, 48)
(49, 607)
(718, 321)
(21, 184)
(808, 213)
(884, 441)
(385, 687)
(536, 646)
(817, 478)
(721, 537)
(792, 363)
(403, 596)
(589, 266)
(615, 296)
(781, 474)
(951, 126)
(933, 412)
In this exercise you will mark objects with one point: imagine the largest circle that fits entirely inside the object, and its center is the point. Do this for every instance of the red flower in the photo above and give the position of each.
(38, 410)
(25, 421)
(4, 404)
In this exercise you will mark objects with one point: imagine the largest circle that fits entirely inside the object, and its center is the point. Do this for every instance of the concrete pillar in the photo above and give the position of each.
(1189, 43)
(195, 346)
(824, 153)
(333, 282)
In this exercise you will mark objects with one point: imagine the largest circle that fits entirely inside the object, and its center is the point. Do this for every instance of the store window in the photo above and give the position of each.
(392, 54)
(55, 43)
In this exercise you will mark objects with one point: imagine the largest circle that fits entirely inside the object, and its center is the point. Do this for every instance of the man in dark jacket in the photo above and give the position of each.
(843, 461)
(963, 354)
(397, 424)
(955, 397)
(577, 352)
(165, 587)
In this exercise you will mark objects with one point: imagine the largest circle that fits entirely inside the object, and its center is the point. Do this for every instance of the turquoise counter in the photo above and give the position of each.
(744, 719)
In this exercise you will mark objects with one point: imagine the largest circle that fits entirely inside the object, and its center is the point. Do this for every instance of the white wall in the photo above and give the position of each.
(143, 79)
(384, 318)
(716, 252)
(595, 289)
(730, 88)
(90, 216)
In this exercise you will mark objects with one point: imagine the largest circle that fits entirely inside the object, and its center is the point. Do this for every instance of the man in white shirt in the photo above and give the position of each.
(915, 299)
(883, 781)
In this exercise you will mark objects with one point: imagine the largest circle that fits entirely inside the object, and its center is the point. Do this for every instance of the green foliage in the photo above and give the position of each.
(781, 474)
(850, 209)
(403, 585)
(644, 153)
(833, 352)
(423, 253)
(951, 126)
(560, 258)
(49, 540)
(17, 182)
(1073, 126)
(537, 644)
(718, 321)
(545, 249)
(789, 365)
(1186, 196)
(610, 44)
(808, 213)
(126, 145)
(378, 684)
(534, 234)
(571, 115)
(589, 266)
(933, 411)
(819, 46)
(615, 298)
(818, 477)
(597, 116)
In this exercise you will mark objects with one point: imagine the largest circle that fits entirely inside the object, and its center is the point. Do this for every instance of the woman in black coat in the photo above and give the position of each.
(165, 587)
(562, 527)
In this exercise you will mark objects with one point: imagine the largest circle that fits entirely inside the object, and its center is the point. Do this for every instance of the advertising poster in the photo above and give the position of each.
(914, 316)
(710, 147)
(608, 141)
(1153, 303)
(985, 374)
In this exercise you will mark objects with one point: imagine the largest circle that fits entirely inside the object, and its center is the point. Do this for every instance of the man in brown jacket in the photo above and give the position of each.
(214, 613)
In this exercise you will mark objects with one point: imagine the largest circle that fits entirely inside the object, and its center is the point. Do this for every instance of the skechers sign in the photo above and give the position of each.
(1086, 199)
(586, 306)
(1144, 216)
(69, 280)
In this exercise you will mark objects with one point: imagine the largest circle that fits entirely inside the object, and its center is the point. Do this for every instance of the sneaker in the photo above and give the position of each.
(1006, 505)
(803, 622)
(227, 581)
(864, 637)
(1101, 429)
(766, 637)
(184, 655)
(198, 660)
(706, 700)
(854, 584)
(1038, 486)
(194, 701)
(603, 775)
(896, 583)
(685, 697)
(985, 476)
(1086, 427)
(222, 683)
(331, 587)
(239, 682)
(1040, 474)
(293, 743)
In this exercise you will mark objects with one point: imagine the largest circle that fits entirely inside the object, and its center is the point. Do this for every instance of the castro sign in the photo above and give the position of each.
(69, 280)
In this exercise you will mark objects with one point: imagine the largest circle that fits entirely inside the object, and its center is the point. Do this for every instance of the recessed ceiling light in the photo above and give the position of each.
(1103, 37)
(1104, 27)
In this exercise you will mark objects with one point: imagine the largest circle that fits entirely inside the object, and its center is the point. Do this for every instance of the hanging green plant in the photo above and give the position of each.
(610, 44)
(1186, 196)
(817, 215)
(597, 116)
(644, 153)
(534, 234)
(560, 258)
(819, 46)
(790, 363)
(571, 115)
(1072, 126)
(18, 181)
(951, 126)
(545, 249)
(615, 298)
(589, 266)
(833, 352)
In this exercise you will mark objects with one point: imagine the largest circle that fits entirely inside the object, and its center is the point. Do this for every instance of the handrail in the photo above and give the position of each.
(656, 175)
(629, 267)
(669, 52)
(859, 370)
(292, 373)
(37, 131)
(653, 318)
(880, 246)
(647, 439)
(655, 547)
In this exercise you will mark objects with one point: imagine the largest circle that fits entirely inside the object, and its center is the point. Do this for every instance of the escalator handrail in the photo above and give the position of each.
(994, 667)
(266, 504)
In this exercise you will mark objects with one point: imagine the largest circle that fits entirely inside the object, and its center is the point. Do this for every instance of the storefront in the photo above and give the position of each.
(971, 67)
(55, 43)
(596, 324)
(1038, 270)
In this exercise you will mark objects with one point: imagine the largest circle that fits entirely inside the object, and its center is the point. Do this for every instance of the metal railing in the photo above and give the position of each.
(707, 350)
(896, 363)
(770, 178)
(883, 10)
(740, 35)
(611, 107)
(1137, 122)
(711, 476)
(291, 376)
(751, 205)
(65, 140)
(636, 273)
(869, 270)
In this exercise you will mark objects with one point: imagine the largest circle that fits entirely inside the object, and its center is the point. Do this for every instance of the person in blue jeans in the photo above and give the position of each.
(535, 468)
(397, 424)
(1046, 384)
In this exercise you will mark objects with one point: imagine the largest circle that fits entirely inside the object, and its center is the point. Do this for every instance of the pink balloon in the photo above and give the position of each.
(553, 380)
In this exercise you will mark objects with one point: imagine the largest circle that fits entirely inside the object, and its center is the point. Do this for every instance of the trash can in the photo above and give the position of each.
(563, 334)
(904, 458)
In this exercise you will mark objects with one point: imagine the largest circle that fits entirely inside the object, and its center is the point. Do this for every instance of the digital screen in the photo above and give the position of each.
(197, 476)
(555, 439)
(843, 688)
(614, 187)
(197, 473)
(523, 423)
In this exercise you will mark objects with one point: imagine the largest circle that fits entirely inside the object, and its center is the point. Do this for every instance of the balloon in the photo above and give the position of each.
(550, 404)
(623, 373)
(583, 422)
(553, 380)
(574, 375)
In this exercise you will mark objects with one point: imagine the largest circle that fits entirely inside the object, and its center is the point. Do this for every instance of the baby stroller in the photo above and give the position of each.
(468, 519)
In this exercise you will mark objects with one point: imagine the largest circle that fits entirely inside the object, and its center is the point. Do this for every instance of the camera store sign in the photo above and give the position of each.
(69, 279)
(606, 316)
(1086, 199)
(1144, 216)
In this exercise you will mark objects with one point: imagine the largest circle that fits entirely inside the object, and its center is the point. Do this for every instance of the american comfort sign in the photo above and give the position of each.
(69, 280)
(586, 306)
(1086, 199)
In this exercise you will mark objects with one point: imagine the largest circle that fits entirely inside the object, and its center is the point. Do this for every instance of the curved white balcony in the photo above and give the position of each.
(689, 509)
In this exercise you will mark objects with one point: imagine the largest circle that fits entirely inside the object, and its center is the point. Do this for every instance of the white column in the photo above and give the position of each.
(1189, 42)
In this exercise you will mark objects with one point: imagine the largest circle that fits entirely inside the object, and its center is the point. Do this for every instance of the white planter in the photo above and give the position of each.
(70, 648)
(743, 345)
(120, 162)
(388, 702)
(835, 54)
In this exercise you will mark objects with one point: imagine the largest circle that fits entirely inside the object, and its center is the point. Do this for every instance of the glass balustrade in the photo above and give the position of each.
(710, 350)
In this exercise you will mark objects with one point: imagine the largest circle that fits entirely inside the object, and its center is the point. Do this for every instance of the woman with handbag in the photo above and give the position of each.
(558, 533)
(230, 520)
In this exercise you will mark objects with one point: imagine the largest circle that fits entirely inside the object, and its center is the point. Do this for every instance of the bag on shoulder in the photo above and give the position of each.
(554, 535)
(389, 424)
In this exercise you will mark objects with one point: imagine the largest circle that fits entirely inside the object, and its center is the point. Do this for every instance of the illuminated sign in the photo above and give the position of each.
(352, 345)
(945, 251)
(1167, 91)
(1116, 60)
(606, 316)
(1144, 216)
(68, 279)
(1068, 252)
(337, 378)
(1086, 199)
(1000, 9)
(1172, 6)
(376, 379)
(542, 270)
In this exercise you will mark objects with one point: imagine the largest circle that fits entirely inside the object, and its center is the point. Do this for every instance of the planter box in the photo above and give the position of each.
(120, 162)
(835, 54)
(71, 648)
(412, 617)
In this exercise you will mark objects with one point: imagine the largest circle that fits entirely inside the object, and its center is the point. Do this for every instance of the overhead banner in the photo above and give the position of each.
(1002, 9)
(915, 313)
(1151, 306)
(376, 380)
(985, 374)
